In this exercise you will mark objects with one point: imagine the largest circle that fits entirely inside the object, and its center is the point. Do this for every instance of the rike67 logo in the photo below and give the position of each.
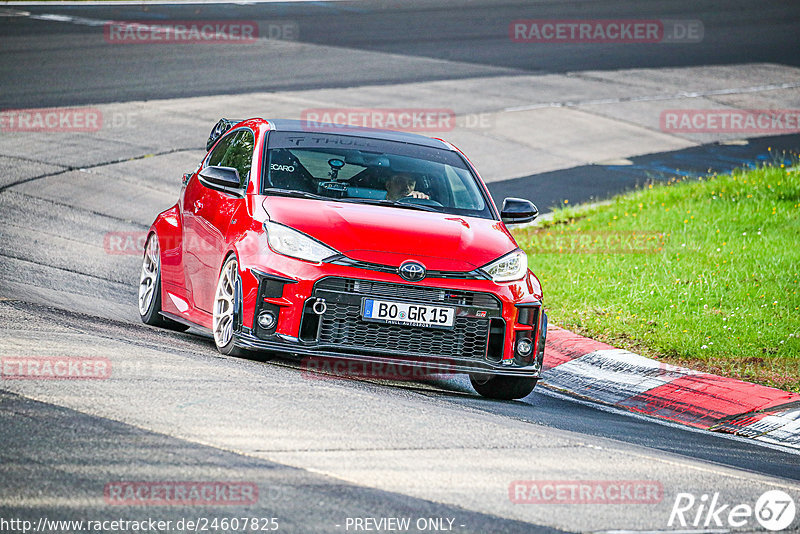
(774, 511)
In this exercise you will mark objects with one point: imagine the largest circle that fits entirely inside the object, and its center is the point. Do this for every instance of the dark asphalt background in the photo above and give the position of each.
(45, 63)
(48, 63)
(80, 454)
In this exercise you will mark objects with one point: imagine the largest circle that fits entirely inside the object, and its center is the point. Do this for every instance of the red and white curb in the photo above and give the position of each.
(620, 378)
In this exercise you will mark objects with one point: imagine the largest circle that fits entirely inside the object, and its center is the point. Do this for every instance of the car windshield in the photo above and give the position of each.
(357, 169)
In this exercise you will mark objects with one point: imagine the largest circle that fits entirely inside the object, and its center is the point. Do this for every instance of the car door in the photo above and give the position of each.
(208, 213)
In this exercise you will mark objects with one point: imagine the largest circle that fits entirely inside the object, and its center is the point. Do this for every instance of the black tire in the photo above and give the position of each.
(503, 387)
(150, 312)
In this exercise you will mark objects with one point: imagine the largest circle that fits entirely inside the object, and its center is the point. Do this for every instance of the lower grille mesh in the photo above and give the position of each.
(342, 325)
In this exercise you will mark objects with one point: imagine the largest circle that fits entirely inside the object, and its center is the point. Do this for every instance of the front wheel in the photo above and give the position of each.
(224, 314)
(503, 387)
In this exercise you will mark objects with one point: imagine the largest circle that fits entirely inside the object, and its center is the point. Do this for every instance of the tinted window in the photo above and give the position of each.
(355, 169)
(235, 150)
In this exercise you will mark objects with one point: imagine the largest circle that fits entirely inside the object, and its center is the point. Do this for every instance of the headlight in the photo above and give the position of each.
(512, 266)
(288, 242)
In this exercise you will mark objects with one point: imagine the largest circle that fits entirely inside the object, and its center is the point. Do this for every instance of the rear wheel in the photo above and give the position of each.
(150, 288)
(224, 314)
(503, 387)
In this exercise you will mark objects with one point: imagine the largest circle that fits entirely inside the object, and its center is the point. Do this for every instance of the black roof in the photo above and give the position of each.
(287, 125)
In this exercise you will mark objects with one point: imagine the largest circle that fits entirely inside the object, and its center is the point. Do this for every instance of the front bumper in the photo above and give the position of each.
(277, 343)
(484, 339)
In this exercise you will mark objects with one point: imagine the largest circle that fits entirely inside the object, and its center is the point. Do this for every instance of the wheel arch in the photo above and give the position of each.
(248, 251)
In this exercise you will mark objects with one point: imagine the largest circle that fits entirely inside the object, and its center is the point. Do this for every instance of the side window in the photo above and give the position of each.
(465, 197)
(235, 150)
(221, 148)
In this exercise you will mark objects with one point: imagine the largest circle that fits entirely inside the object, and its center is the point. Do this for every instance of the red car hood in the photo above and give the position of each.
(389, 236)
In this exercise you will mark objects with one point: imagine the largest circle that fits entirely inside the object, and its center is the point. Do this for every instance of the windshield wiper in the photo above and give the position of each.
(392, 203)
(293, 193)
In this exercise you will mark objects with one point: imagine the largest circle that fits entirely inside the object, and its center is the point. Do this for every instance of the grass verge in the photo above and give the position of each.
(702, 274)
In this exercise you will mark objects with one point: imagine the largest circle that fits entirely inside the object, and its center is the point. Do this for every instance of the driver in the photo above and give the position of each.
(401, 185)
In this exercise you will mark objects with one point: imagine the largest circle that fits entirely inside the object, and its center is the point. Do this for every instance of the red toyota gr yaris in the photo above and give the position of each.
(351, 243)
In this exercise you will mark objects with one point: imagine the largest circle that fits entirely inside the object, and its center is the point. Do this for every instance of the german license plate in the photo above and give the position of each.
(404, 313)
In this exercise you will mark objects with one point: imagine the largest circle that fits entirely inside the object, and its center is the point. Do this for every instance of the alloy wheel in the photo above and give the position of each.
(148, 281)
(224, 304)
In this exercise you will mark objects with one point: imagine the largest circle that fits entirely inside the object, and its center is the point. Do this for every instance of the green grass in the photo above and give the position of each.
(697, 273)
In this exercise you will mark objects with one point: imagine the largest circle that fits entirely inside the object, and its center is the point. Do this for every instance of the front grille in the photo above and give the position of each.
(340, 259)
(341, 324)
(408, 292)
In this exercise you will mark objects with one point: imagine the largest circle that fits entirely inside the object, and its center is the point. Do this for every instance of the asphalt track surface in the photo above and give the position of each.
(51, 63)
(592, 183)
(320, 451)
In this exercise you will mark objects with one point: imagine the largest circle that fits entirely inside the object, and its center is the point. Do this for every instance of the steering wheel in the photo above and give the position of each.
(422, 201)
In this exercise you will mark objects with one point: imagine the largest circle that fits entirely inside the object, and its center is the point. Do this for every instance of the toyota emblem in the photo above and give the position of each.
(412, 271)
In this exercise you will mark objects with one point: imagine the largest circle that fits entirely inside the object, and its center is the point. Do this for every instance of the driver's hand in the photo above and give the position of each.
(418, 194)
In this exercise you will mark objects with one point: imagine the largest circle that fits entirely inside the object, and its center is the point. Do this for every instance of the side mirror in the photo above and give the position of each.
(225, 179)
(518, 210)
